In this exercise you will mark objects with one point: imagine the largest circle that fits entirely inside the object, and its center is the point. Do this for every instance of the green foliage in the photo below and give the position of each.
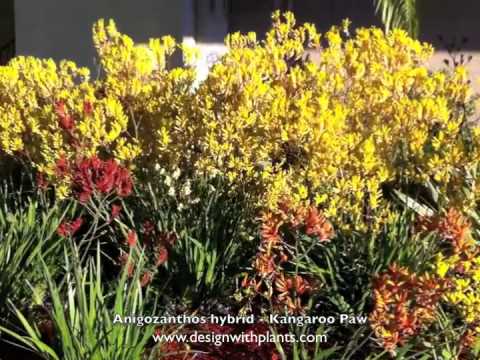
(25, 235)
(399, 14)
(83, 310)
(346, 268)
(213, 226)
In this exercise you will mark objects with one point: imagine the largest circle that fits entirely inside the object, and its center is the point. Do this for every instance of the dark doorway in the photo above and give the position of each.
(254, 15)
(7, 31)
(250, 15)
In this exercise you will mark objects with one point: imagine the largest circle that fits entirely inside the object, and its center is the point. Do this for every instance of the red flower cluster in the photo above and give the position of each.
(69, 228)
(96, 175)
(159, 243)
(404, 304)
(157, 246)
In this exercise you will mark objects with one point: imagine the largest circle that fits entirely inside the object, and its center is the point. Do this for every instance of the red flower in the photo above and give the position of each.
(125, 260)
(66, 121)
(62, 167)
(42, 182)
(132, 238)
(116, 210)
(63, 230)
(69, 228)
(124, 182)
(162, 256)
(107, 176)
(146, 279)
(76, 224)
(60, 108)
(87, 108)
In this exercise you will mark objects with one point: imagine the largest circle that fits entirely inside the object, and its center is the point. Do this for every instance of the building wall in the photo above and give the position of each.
(453, 20)
(61, 29)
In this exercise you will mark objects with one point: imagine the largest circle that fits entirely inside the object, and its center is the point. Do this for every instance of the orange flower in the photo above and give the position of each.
(265, 265)
(452, 227)
(289, 289)
(270, 227)
(404, 304)
(455, 228)
(279, 230)
(66, 121)
(468, 341)
(317, 225)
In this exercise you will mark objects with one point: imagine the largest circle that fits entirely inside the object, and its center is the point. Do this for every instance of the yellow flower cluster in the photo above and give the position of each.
(156, 97)
(459, 266)
(331, 131)
(465, 272)
(50, 112)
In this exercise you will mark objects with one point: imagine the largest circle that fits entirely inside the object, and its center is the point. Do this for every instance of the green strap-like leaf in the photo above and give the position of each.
(399, 14)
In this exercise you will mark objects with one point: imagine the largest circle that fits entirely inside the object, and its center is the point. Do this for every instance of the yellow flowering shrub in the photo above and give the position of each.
(275, 122)
(367, 112)
(55, 113)
(156, 97)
